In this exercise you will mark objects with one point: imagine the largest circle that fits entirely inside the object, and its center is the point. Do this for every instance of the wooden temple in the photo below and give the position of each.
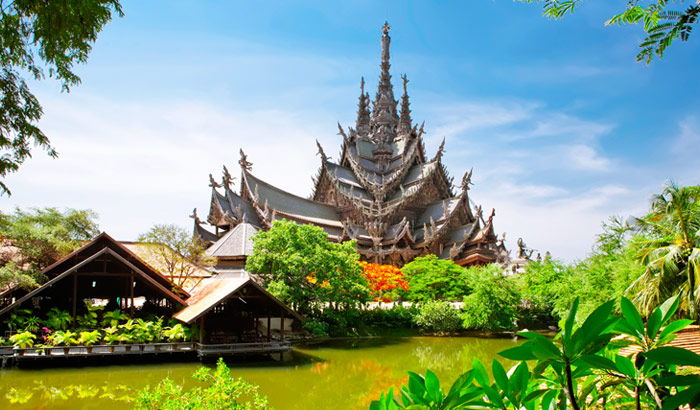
(385, 192)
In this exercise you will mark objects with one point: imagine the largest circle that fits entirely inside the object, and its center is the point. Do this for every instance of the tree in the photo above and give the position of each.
(431, 278)
(492, 303)
(312, 270)
(670, 249)
(384, 280)
(38, 35)
(37, 238)
(176, 252)
(662, 24)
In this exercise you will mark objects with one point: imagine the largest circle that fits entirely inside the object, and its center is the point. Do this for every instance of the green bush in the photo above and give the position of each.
(316, 327)
(221, 391)
(430, 278)
(493, 301)
(437, 316)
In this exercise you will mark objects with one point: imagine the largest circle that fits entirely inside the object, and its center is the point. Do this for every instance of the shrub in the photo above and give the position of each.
(222, 391)
(316, 327)
(493, 301)
(437, 316)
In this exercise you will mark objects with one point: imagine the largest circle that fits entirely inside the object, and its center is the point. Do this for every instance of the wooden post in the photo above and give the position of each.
(269, 329)
(282, 326)
(131, 286)
(75, 293)
(201, 330)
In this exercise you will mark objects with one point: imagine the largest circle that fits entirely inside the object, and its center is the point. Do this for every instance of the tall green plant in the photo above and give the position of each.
(670, 250)
(58, 319)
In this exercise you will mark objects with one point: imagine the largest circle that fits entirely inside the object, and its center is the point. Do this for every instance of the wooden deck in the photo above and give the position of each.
(34, 354)
(204, 350)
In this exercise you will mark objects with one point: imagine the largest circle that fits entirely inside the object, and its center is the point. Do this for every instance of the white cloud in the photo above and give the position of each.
(586, 158)
(688, 140)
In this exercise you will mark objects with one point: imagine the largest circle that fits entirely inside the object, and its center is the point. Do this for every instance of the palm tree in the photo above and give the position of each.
(670, 250)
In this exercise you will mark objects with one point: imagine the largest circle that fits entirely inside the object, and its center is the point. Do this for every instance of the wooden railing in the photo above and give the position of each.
(146, 349)
(102, 350)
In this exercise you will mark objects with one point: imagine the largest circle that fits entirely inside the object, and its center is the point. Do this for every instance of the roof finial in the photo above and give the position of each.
(363, 113)
(405, 118)
(243, 162)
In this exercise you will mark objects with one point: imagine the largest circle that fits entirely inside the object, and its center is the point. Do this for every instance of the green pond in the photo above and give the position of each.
(336, 374)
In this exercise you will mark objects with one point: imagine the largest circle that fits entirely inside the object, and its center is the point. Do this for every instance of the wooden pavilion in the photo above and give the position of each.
(233, 308)
(105, 271)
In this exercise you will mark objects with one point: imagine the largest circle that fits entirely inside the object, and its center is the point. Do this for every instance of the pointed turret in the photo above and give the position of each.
(405, 119)
(384, 117)
(363, 113)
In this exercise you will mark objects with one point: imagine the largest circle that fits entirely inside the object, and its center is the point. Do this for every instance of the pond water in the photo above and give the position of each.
(336, 374)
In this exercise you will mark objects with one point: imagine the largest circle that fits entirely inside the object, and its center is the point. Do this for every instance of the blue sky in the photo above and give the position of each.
(562, 127)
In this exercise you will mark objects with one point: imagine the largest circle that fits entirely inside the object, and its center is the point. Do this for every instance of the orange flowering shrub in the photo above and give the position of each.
(383, 279)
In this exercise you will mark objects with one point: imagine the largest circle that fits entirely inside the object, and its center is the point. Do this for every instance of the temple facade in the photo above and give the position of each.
(385, 192)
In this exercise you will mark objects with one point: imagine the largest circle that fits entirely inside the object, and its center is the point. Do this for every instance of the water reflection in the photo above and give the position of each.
(337, 374)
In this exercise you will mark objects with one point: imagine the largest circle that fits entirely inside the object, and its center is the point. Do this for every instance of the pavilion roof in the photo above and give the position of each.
(220, 288)
(236, 242)
(102, 244)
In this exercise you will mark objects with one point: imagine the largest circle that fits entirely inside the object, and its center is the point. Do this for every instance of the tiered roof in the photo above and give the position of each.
(384, 192)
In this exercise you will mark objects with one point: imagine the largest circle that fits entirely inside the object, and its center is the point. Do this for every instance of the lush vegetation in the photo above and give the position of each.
(176, 253)
(650, 259)
(582, 368)
(36, 238)
(59, 329)
(38, 36)
(300, 266)
(222, 392)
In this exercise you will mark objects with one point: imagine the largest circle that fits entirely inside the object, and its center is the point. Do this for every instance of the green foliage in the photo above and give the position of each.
(90, 319)
(176, 252)
(355, 322)
(437, 316)
(175, 333)
(61, 338)
(113, 336)
(41, 237)
(314, 270)
(89, 338)
(23, 340)
(580, 369)
(222, 391)
(147, 331)
(32, 324)
(114, 317)
(430, 278)
(58, 319)
(493, 301)
(39, 35)
(280, 290)
(669, 248)
(661, 24)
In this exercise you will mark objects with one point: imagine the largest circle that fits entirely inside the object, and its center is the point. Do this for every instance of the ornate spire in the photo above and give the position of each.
(362, 125)
(384, 117)
(405, 119)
